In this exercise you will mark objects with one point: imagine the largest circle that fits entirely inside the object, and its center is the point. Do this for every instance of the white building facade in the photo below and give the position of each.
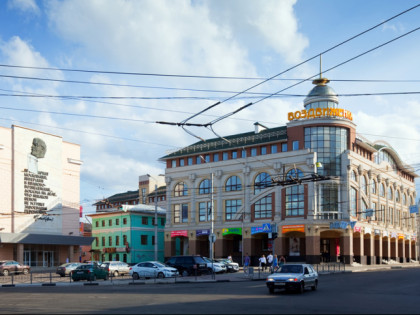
(327, 194)
(40, 198)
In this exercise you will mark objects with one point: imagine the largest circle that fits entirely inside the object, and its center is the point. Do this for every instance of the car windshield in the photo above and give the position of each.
(160, 265)
(291, 269)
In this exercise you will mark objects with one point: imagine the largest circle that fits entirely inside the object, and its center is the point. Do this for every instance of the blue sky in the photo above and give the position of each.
(237, 38)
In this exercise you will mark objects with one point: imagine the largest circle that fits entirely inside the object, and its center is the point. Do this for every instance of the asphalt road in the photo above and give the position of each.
(380, 292)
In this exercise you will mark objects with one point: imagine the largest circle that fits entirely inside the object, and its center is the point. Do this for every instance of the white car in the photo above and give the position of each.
(293, 277)
(215, 266)
(152, 269)
(230, 265)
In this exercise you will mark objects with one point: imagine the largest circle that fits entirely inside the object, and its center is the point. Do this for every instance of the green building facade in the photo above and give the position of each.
(128, 234)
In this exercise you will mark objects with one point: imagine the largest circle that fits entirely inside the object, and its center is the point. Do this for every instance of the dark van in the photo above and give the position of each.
(188, 265)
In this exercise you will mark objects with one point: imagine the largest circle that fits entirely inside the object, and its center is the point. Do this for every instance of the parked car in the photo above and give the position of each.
(188, 265)
(89, 272)
(66, 269)
(152, 269)
(10, 266)
(230, 265)
(293, 277)
(116, 268)
(215, 266)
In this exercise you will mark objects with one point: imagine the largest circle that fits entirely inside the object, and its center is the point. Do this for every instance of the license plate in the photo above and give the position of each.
(280, 284)
(80, 272)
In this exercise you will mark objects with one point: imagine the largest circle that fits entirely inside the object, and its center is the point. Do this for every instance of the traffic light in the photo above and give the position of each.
(274, 235)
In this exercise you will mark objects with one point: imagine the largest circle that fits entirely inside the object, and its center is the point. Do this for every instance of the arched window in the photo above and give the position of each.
(397, 196)
(404, 199)
(364, 185)
(364, 208)
(263, 207)
(382, 190)
(261, 182)
(373, 184)
(205, 187)
(353, 201)
(233, 184)
(353, 175)
(295, 198)
(390, 195)
(181, 189)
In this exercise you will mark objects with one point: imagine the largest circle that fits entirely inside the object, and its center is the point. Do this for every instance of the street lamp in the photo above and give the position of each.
(211, 236)
(156, 217)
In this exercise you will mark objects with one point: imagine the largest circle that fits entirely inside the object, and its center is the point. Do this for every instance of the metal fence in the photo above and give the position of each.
(330, 267)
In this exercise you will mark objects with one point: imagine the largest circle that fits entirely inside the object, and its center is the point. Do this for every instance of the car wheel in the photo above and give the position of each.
(314, 287)
(116, 273)
(185, 273)
(25, 271)
(136, 276)
(301, 288)
(271, 289)
(6, 272)
(161, 275)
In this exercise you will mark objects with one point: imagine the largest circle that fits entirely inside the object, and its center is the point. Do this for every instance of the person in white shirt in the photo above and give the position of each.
(263, 262)
(269, 260)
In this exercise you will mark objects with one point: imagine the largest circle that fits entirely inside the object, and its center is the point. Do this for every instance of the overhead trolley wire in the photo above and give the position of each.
(299, 64)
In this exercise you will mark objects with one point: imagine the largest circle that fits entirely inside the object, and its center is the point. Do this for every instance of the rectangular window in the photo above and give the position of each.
(284, 147)
(110, 240)
(97, 223)
(273, 148)
(144, 220)
(97, 241)
(263, 207)
(243, 152)
(190, 161)
(143, 195)
(125, 240)
(153, 221)
(234, 154)
(215, 157)
(382, 214)
(117, 240)
(173, 163)
(181, 162)
(103, 240)
(181, 213)
(295, 201)
(254, 152)
(117, 221)
(231, 208)
(103, 222)
(124, 221)
(198, 160)
(162, 222)
(109, 222)
(295, 145)
(144, 240)
(204, 210)
(153, 240)
(263, 150)
(207, 158)
(225, 156)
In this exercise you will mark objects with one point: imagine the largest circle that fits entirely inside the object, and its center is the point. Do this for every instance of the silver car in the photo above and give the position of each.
(116, 268)
(152, 269)
(293, 277)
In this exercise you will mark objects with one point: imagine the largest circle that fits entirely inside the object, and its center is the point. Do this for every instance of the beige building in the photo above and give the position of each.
(326, 193)
(39, 198)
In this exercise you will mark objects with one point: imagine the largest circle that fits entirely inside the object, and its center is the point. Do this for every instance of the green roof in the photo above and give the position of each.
(234, 141)
(121, 197)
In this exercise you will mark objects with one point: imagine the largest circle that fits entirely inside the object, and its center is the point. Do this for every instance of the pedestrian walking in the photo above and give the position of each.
(275, 263)
(263, 262)
(247, 262)
(269, 261)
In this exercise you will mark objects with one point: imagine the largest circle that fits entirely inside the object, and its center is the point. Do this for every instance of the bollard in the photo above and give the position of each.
(31, 277)
(50, 277)
(12, 279)
(155, 275)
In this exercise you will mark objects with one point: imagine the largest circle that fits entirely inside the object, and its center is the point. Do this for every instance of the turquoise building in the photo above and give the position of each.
(128, 234)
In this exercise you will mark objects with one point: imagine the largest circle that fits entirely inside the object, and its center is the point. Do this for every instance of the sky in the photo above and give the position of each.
(144, 61)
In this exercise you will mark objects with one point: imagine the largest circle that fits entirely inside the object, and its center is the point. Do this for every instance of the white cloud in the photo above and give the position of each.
(24, 6)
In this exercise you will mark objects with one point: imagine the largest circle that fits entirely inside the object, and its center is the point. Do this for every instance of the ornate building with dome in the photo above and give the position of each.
(312, 190)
